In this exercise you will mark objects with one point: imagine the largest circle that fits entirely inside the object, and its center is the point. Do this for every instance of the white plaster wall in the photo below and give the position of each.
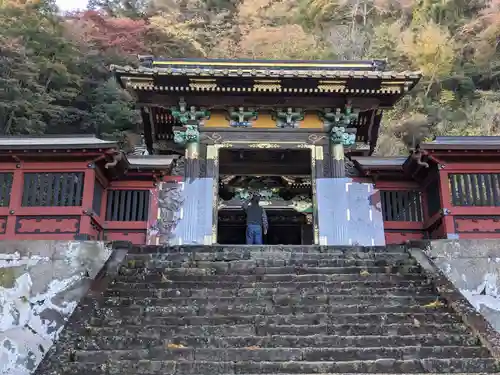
(41, 283)
(473, 266)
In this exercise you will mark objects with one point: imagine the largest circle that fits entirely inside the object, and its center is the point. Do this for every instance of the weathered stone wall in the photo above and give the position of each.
(473, 266)
(41, 283)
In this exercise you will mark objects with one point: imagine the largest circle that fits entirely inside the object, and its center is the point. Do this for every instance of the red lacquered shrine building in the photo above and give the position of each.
(300, 133)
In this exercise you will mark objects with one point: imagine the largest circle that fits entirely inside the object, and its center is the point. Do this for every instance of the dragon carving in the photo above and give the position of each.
(417, 155)
(116, 159)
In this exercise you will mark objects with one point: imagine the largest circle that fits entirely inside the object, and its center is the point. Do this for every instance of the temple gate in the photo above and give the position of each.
(302, 134)
(198, 108)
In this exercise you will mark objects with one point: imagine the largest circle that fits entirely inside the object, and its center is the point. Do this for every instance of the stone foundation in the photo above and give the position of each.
(473, 266)
(41, 283)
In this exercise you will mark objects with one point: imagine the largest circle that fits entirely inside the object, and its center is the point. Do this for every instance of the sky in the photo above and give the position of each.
(67, 5)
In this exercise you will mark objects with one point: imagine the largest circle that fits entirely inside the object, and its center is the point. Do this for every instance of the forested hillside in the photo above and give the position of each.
(54, 74)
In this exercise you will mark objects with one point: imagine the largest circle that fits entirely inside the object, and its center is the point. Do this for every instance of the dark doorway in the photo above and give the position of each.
(286, 227)
(282, 178)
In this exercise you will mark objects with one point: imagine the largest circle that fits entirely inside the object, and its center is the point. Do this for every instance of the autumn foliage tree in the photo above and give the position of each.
(101, 32)
(49, 83)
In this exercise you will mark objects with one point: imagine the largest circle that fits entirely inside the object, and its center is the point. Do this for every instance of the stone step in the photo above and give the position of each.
(278, 341)
(186, 272)
(268, 309)
(411, 366)
(281, 329)
(287, 301)
(262, 256)
(307, 249)
(227, 310)
(158, 276)
(264, 292)
(302, 319)
(317, 354)
(265, 263)
(298, 285)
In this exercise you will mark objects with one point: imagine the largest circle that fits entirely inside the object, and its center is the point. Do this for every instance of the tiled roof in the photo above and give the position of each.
(375, 64)
(465, 143)
(266, 72)
(151, 161)
(55, 142)
(465, 139)
(380, 162)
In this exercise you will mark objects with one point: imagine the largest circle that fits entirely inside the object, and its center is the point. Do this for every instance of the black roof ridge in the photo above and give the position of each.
(266, 60)
(154, 156)
(42, 136)
(374, 64)
(441, 138)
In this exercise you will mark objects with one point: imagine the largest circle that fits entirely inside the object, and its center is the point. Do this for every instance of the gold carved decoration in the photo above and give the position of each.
(191, 154)
(203, 86)
(331, 86)
(306, 145)
(214, 233)
(223, 145)
(139, 83)
(389, 87)
(213, 150)
(319, 152)
(309, 219)
(264, 145)
(338, 152)
(267, 85)
(141, 86)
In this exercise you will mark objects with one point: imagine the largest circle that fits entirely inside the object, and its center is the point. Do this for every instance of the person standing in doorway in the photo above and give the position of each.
(256, 221)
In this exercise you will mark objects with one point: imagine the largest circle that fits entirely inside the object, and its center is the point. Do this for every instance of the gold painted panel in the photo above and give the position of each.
(311, 121)
(264, 120)
(217, 120)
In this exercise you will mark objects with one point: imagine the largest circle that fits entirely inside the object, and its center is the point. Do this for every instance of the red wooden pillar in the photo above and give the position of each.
(16, 197)
(424, 200)
(104, 203)
(446, 204)
(87, 200)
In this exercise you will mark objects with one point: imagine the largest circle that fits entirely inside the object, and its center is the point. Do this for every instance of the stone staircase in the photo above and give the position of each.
(269, 310)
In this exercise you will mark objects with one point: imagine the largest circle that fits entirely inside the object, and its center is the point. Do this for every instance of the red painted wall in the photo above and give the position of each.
(57, 222)
(86, 221)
